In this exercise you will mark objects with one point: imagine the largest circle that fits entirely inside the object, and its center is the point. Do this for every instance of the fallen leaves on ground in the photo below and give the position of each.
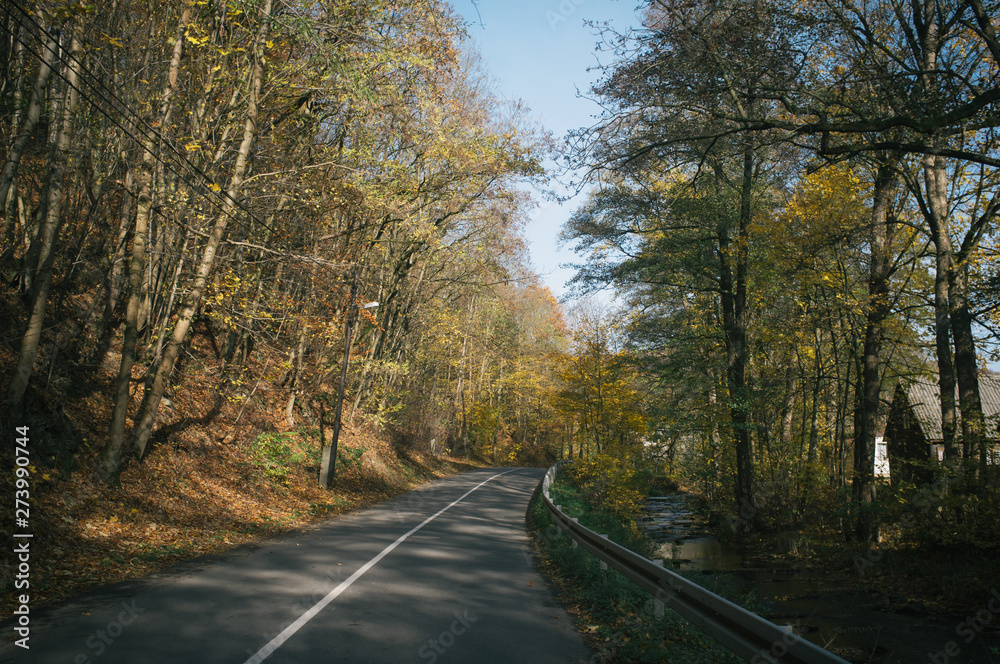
(201, 491)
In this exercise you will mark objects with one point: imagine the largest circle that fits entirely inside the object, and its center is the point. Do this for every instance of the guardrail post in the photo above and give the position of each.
(604, 565)
(658, 604)
(577, 522)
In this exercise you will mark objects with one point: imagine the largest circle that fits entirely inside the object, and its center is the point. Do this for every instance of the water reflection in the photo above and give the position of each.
(684, 534)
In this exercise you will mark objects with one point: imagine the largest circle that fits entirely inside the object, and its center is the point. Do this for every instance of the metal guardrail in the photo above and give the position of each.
(749, 636)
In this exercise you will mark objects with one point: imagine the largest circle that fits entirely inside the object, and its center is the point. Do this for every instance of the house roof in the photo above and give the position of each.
(925, 403)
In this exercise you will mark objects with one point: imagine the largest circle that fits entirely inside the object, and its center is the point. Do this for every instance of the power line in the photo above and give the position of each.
(138, 121)
(308, 262)
(149, 133)
(128, 116)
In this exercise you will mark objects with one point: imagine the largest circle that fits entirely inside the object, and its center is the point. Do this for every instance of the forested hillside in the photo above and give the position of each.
(228, 190)
(229, 226)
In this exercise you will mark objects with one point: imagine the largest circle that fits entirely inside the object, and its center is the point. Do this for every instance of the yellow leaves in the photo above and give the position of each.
(69, 10)
(215, 187)
(608, 482)
(192, 146)
(831, 199)
(108, 39)
(197, 35)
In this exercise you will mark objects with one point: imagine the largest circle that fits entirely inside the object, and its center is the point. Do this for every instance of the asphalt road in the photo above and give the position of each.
(442, 574)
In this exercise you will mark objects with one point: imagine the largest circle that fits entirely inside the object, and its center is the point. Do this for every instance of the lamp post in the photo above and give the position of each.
(328, 466)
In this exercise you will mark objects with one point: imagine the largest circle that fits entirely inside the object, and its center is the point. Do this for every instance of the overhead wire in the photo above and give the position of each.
(130, 122)
(140, 123)
(148, 132)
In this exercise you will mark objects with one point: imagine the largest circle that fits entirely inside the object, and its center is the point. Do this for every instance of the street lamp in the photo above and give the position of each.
(328, 466)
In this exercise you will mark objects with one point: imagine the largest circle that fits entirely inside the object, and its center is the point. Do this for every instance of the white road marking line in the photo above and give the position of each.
(287, 633)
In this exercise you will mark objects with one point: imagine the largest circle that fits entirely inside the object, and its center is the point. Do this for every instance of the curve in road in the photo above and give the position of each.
(444, 573)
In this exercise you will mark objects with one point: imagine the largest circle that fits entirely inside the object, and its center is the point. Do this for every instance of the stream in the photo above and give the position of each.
(829, 608)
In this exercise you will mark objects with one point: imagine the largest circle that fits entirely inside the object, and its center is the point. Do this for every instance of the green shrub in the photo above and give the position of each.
(943, 512)
(277, 454)
(349, 457)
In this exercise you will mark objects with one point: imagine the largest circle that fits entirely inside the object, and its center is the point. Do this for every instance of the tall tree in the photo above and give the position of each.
(111, 454)
(670, 100)
(46, 243)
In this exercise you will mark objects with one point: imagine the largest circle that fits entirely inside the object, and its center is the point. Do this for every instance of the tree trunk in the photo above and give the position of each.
(966, 368)
(115, 277)
(328, 465)
(733, 289)
(47, 239)
(788, 409)
(813, 452)
(935, 182)
(111, 455)
(876, 313)
(937, 216)
(14, 77)
(293, 386)
(34, 111)
(714, 437)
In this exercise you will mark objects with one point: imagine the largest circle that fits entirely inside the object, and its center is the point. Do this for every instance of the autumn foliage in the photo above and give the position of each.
(795, 202)
(211, 212)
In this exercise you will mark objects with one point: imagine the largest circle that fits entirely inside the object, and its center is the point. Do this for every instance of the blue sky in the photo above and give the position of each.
(539, 51)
